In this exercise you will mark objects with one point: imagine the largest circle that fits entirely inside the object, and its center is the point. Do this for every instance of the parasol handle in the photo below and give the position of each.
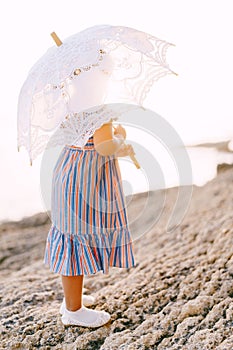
(56, 39)
(135, 161)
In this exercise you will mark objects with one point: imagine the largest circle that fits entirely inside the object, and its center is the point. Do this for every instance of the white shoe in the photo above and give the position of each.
(85, 317)
(87, 300)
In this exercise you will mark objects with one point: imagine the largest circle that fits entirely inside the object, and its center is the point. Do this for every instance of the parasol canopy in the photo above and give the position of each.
(100, 65)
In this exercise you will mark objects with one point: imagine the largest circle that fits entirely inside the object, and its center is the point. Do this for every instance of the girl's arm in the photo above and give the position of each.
(105, 142)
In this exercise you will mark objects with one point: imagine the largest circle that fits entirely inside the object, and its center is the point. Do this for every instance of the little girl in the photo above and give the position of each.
(89, 230)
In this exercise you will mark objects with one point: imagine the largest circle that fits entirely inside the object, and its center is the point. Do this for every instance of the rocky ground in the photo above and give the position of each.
(179, 296)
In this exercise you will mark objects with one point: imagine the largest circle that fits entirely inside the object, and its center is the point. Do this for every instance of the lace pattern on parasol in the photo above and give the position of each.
(75, 129)
(140, 61)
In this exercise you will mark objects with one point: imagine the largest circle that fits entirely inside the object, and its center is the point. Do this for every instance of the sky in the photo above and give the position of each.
(197, 102)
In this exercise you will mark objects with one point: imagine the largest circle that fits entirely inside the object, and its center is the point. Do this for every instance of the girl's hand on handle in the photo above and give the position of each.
(125, 149)
(119, 130)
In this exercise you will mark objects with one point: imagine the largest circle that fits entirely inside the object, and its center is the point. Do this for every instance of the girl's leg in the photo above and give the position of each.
(72, 287)
(75, 313)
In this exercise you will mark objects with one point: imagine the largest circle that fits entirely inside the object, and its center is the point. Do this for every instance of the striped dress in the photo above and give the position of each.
(89, 230)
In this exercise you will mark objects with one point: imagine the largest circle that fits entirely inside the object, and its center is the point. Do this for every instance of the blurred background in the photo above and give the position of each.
(197, 103)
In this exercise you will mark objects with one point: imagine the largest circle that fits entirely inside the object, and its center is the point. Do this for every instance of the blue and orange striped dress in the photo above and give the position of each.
(89, 230)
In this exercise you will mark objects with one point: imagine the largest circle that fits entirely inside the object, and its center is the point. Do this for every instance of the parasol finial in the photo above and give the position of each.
(56, 39)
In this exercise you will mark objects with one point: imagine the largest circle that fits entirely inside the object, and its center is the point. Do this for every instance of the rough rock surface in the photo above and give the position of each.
(179, 296)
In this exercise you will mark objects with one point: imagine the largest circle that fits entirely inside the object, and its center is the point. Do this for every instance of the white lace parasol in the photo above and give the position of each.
(70, 84)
